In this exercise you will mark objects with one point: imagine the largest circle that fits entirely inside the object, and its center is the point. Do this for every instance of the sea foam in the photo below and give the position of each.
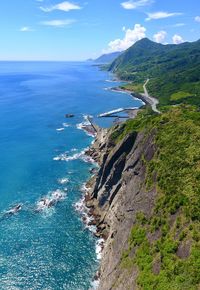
(66, 125)
(63, 180)
(48, 202)
(60, 129)
(81, 155)
(84, 124)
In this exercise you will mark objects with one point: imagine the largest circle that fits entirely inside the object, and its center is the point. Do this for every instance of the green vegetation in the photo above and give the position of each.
(132, 125)
(179, 96)
(173, 70)
(137, 88)
(166, 246)
(164, 87)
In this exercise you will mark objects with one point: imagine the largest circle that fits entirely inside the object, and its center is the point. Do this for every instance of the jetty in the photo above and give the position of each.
(114, 112)
(93, 126)
(89, 127)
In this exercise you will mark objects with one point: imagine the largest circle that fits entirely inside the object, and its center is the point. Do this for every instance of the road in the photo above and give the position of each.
(152, 101)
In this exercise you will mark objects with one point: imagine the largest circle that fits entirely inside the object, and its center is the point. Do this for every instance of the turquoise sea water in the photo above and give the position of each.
(50, 249)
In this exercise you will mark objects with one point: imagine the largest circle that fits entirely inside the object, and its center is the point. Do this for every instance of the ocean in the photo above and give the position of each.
(42, 157)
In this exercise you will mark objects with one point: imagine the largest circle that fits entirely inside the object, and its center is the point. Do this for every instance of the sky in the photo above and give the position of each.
(82, 29)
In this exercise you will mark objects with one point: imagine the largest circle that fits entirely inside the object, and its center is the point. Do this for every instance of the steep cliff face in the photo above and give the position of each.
(146, 201)
(118, 193)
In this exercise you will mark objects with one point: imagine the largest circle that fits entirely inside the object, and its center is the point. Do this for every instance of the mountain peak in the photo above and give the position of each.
(146, 42)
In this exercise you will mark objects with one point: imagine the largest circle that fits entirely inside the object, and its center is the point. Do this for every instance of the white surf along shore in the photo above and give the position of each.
(80, 206)
(87, 219)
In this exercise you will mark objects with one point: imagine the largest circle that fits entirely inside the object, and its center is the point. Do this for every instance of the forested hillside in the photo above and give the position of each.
(173, 70)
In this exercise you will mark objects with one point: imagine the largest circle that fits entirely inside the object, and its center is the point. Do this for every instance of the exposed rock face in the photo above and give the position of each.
(118, 193)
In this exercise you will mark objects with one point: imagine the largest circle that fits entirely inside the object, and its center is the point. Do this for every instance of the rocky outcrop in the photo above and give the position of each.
(117, 193)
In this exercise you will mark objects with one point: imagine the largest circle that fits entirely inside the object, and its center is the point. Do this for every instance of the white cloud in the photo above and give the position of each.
(160, 36)
(58, 23)
(25, 29)
(197, 18)
(177, 39)
(131, 36)
(63, 6)
(135, 4)
(161, 14)
(178, 25)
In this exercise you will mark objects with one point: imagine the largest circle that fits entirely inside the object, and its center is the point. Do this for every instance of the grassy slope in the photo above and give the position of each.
(175, 219)
(137, 88)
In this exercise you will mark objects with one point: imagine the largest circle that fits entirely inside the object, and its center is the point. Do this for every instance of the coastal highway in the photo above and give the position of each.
(152, 101)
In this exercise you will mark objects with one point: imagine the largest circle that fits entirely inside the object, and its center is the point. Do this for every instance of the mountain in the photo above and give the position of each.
(107, 58)
(145, 197)
(89, 59)
(173, 69)
(135, 55)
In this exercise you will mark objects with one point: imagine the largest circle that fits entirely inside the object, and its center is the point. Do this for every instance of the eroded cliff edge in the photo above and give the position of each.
(117, 194)
(145, 200)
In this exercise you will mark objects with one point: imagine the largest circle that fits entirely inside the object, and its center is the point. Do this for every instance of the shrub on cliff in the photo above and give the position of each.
(175, 253)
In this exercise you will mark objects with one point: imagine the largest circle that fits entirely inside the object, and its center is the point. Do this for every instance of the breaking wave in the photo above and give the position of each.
(66, 125)
(63, 180)
(81, 155)
(60, 129)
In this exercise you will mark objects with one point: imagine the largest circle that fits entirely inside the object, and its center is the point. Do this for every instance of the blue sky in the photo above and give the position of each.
(78, 29)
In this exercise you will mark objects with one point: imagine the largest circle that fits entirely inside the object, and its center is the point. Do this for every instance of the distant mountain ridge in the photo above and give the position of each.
(108, 58)
(172, 69)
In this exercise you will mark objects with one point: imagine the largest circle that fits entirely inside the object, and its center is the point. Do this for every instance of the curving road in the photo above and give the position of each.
(152, 101)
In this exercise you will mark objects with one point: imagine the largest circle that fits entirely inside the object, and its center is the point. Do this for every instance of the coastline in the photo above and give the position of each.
(89, 224)
(140, 96)
(87, 215)
(99, 151)
(88, 207)
(133, 94)
(144, 96)
(114, 196)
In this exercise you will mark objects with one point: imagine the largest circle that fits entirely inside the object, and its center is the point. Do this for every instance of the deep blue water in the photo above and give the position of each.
(49, 249)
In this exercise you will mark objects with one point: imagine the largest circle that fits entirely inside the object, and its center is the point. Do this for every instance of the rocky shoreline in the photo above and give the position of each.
(141, 97)
(115, 194)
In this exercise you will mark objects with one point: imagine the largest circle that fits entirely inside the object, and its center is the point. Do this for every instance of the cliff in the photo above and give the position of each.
(149, 233)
